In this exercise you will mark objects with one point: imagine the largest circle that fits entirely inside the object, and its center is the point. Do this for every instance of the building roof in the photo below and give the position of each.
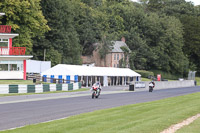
(1, 14)
(63, 69)
(8, 35)
(117, 46)
(15, 57)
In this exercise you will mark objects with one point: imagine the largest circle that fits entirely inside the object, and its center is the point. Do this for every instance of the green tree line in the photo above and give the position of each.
(161, 34)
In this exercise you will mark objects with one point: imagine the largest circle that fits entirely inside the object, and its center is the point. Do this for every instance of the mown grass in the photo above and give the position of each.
(146, 79)
(16, 81)
(29, 82)
(150, 117)
(192, 128)
(18, 94)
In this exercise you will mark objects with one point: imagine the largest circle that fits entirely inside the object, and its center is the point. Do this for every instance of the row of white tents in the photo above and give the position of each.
(63, 70)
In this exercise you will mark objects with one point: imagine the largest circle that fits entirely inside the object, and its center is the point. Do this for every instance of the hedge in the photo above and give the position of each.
(144, 73)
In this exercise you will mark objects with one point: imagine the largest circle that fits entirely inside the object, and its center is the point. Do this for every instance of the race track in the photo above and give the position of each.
(17, 114)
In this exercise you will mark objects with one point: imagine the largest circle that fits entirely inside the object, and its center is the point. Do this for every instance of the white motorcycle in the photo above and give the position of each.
(151, 86)
(96, 90)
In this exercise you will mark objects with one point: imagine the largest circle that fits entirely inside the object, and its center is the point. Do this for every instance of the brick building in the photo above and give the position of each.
(112, 59)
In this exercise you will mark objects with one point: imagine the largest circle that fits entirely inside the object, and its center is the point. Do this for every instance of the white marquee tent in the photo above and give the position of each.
(72, 70)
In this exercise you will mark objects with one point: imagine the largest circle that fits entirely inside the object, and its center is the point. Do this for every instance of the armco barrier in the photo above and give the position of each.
(70, 87)
(168, 84)
(30, 88)
(65, 87)
(13, 88)
(5, 89)
(58, 87)
(46, 88)
(52, 87)
(22, 88)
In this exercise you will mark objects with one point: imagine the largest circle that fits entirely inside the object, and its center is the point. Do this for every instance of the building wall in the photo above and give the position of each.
(87, 59)
(115, 59)
(11, 75)
(34, 66)
(112, 59)
(97, 60)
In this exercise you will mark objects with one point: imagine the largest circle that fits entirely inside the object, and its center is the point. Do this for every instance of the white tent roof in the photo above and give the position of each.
(62, 69)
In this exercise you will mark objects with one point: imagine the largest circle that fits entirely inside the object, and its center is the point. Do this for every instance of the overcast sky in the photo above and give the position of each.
(196, 2)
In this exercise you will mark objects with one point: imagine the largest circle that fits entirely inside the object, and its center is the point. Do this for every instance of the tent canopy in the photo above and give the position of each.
(63, 69)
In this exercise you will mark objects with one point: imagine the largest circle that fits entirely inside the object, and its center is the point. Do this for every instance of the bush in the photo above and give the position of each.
(144, 73)
(167, 75)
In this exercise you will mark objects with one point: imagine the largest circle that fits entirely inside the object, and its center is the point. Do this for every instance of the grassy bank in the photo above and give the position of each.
(198, 80)
(146, 79)
(151, 117)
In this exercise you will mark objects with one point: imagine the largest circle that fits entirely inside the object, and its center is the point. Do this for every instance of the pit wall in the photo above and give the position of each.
(165, 84)
(6, 89)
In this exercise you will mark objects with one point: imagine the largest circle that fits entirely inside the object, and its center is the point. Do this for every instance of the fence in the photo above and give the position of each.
(40, 88)
(12, 51)
(58, 80)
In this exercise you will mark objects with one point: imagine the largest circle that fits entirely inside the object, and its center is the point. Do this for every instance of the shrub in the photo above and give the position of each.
(144, 73)
(167, 75)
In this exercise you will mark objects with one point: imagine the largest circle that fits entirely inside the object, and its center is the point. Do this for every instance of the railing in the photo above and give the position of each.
(12, 51)
(5, 29)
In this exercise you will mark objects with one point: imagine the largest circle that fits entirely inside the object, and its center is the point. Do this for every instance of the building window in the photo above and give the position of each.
(3, 67)
(11, 65)
(114, 56)
(114, 65)
(117, 65)
(117, 56)
(3, 42)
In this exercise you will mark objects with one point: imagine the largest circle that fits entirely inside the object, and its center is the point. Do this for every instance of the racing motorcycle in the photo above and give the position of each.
(96, 90)
(151, 86)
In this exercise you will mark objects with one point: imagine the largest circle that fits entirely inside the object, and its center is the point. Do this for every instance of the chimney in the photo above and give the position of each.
(123, 39)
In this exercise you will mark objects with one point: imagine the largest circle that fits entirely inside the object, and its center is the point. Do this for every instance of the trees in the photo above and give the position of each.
(159, 33)
(63, 38)
(188, 15)
(105, 47)
(88, 25)
(26, 18)
(192, 40)
(124, 61)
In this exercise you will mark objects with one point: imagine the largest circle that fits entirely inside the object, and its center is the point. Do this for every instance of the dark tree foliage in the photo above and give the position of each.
(162, 35)
(61, 42)
(26, 18)
(188, 15)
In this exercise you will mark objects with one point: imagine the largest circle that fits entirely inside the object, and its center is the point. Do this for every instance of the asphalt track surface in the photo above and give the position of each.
(21, 113)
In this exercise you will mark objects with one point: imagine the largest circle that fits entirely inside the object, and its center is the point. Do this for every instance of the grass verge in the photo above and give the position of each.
(146, 79)
(150, 117)
(30, 82)
(198, 80)
(18, 94)
(192, 128)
